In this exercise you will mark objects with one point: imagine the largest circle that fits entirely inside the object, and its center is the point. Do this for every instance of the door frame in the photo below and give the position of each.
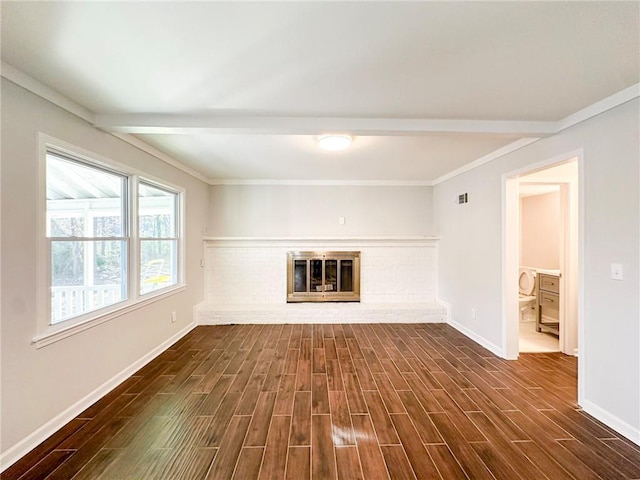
(572, 261)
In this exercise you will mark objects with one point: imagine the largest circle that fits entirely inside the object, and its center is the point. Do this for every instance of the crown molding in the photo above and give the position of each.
(28, 83)
(597, 108)
(351, 183)
(511, 147)
(612, 101)
(145, 147)
(32, 85)
(121, 126)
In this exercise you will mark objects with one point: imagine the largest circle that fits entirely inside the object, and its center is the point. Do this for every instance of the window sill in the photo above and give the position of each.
(60, 332)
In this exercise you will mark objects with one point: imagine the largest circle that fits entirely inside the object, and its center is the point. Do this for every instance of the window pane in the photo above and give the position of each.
(346, 276)
(316, 275)
(300, 276)
(156, 212)
(67, 226)
(158, 264)
(106, 226)
(86, 276)
(77, 194)
(330, 275)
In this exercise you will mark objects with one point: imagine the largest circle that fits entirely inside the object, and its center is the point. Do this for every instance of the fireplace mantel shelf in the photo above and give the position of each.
(416, 237)
(319, 240)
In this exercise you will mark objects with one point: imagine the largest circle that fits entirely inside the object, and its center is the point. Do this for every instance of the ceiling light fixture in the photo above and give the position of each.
(334, 143)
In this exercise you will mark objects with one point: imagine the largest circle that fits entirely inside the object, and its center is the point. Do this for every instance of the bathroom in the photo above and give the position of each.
(547, 245)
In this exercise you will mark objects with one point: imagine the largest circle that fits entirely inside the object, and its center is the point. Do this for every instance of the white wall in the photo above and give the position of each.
(39, 384)
(540, 231)
(305, 211)
(471, 264)
(257, 274)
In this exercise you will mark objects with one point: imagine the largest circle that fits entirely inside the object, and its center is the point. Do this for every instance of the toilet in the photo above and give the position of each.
(527, 294)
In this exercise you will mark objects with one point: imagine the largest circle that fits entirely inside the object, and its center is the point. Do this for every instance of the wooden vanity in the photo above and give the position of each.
(548, 304)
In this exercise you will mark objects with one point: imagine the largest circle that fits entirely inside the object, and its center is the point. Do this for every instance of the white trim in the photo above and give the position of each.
(613, 422)
(510, 259)
(176, 123)
(549, 181)
(145, 147)
(320, 313)
(320, 242)
(511, 249)
(604, 105)
(582, 324)
(612, 101)
(56, 334)
(545, 164)
(369, 126)
(501, 152)
(29, 83)
(493, 348)
(46, 333)
(32, 85)
(24, 446)
(43, 250)
(47, 142)
(353, 183)
(446, 305)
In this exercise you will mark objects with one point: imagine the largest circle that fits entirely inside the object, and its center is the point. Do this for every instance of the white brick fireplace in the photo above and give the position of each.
(245, 281)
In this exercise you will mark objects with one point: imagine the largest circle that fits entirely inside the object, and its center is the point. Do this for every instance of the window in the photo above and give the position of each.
(107, 247)
(158, 238)
(87, 230)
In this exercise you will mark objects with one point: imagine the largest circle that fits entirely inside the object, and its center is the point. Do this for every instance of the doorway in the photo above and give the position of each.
(541, 224)
(557, 178)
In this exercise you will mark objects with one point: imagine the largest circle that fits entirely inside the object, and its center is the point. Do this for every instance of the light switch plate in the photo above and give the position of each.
(616, 271)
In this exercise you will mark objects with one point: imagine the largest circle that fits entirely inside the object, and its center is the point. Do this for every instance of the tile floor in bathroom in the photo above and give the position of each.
(533, 342)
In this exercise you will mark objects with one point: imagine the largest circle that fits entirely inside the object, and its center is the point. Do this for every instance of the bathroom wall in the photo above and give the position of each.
(540, 231)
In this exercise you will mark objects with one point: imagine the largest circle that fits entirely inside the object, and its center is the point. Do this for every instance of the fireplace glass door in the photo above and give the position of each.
(323, 276)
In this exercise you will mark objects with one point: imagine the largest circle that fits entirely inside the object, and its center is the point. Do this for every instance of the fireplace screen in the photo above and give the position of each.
(323, 276)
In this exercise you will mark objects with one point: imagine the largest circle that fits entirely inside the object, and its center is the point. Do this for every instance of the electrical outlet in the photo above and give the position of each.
(174, 317)
(474, 314)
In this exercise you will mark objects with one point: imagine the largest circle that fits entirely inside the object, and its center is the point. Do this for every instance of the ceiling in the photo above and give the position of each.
(238, 91)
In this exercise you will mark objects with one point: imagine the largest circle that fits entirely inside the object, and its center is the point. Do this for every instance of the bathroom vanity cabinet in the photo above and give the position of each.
(548, 304)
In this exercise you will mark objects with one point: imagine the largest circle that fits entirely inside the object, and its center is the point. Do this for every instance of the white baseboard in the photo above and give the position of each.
(24, 446)
(447, 308)
(478, 339)
(314, 321)
(320, 313)
(620, 426)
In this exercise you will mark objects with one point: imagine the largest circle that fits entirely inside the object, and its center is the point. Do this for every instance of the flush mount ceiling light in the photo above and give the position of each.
(334, 143)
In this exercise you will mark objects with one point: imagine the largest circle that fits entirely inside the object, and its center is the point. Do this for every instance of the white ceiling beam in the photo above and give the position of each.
(236, 124)
(155, 123)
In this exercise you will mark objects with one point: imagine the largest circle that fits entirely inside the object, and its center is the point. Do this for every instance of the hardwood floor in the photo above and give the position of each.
(337, 402)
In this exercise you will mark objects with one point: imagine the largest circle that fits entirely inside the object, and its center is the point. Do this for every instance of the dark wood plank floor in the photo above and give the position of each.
(337, 402)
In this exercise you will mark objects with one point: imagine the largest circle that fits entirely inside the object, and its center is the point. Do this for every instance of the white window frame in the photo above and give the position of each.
(48, 333)
(124, 237)
(177, 238)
